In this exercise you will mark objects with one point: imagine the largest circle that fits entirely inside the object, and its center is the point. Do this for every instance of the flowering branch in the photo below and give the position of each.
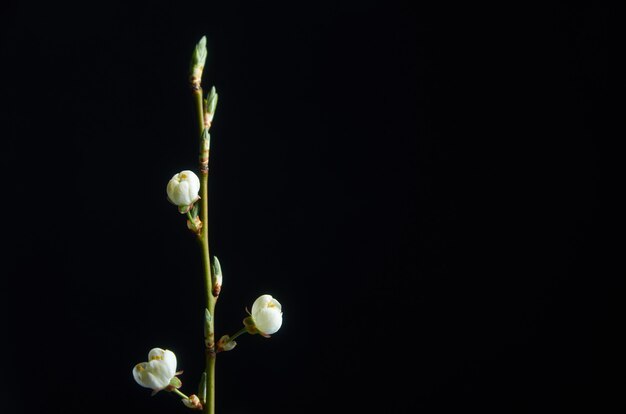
(197, 66)
(190, 194)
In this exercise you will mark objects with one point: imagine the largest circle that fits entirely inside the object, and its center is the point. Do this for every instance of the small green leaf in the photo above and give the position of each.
(202, 388)
(207, 322)
(206, 139)
(217, 268)
(211, 101)
(199, 54)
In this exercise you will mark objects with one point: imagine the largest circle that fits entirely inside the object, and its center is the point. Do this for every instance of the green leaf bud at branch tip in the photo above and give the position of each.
(198, 60)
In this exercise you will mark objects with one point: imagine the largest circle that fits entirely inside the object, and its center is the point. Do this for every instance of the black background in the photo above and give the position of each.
(418, 187)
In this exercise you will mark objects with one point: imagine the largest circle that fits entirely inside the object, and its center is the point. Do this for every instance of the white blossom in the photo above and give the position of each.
(183, 189)
(157, 373)
(267, 314)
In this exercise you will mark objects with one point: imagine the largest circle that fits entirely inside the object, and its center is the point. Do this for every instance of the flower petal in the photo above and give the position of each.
(170, 360)
(149, 375)
(260, 302)
(159, 374)
(268, 320)
(166, 356)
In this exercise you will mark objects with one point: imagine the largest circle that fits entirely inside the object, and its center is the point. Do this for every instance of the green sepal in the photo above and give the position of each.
(194, 210)
(176, 383)
(248, 322)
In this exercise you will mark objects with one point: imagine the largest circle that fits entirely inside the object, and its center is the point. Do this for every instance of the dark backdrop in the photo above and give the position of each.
(418, 187)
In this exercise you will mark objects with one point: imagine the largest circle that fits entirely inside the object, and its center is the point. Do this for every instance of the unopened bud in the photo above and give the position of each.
(198, 58)
(217, 277)
(182, 190)
(266, 315)
(209, 107)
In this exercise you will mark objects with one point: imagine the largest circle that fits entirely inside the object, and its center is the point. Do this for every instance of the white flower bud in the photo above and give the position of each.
(267, 314)
(157, 373)
(183, 189)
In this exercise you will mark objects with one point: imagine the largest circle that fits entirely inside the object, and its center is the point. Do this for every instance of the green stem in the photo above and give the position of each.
(240, 332)
(203, 238)
(209, 407)
(221, 346)
(200, 109)
(175, 391)
(193, 223)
